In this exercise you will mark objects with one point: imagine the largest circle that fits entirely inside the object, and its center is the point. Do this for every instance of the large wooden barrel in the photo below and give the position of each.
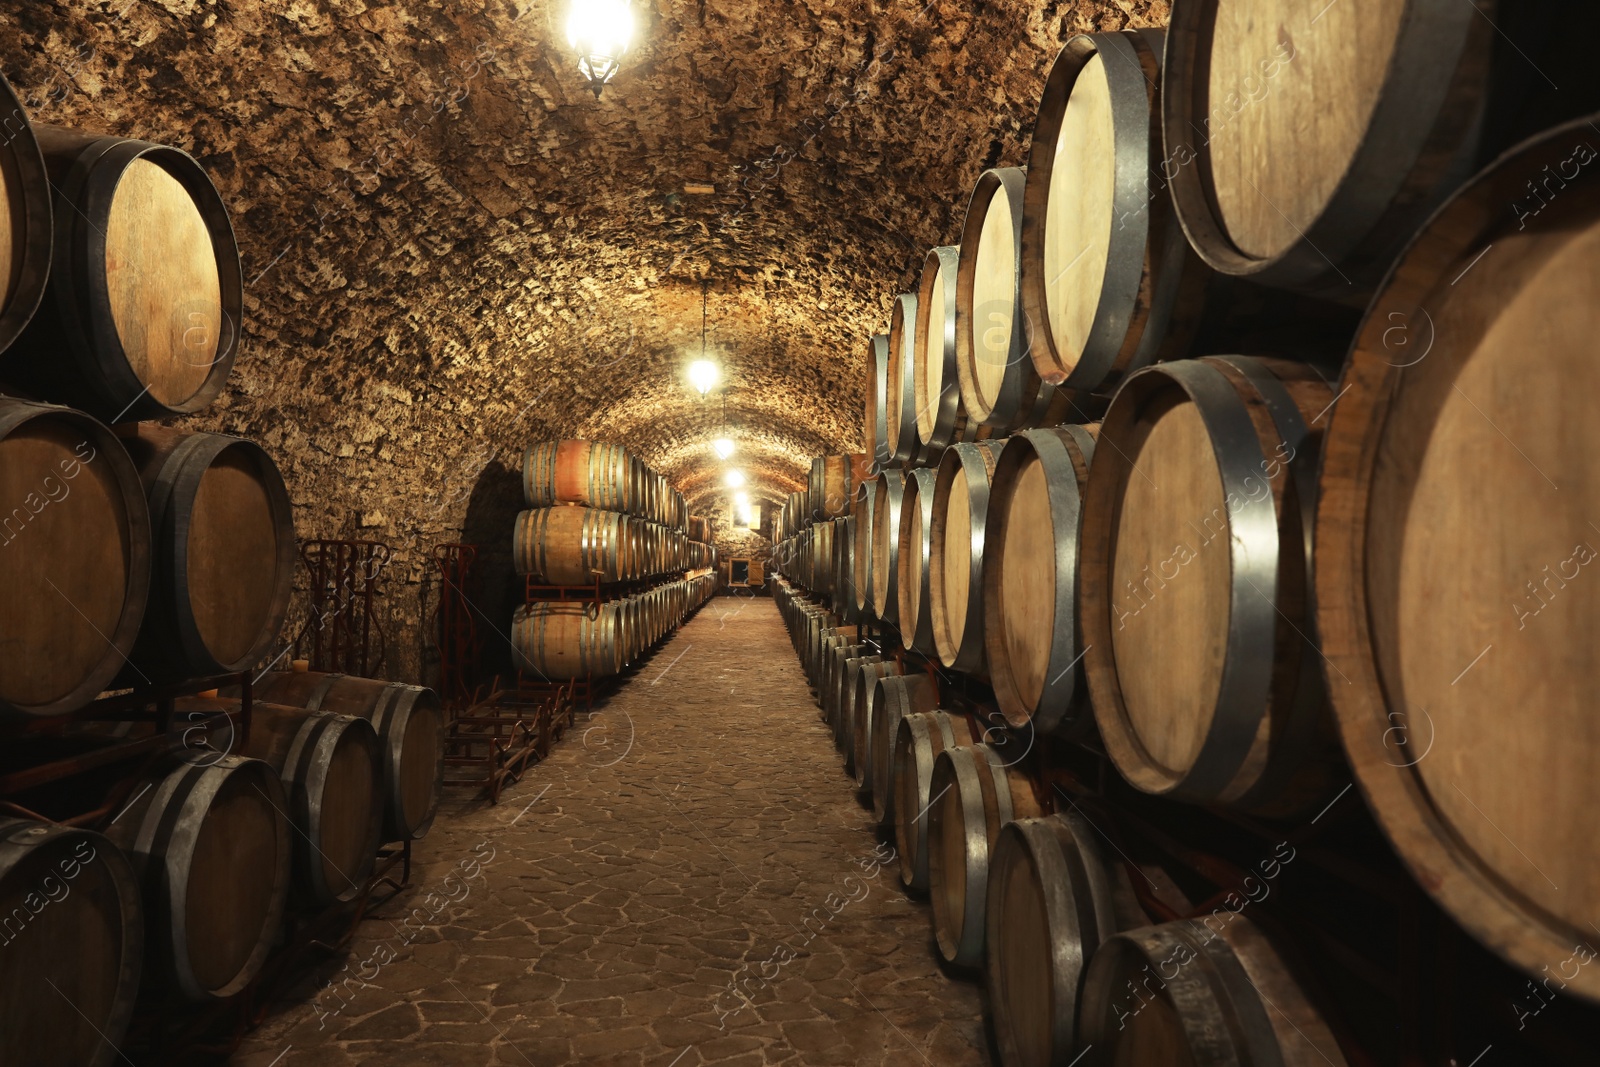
(887, 695)
(844, 568)
(896, 698)
(626, 613)
(1304, 145)
(918, 742)
(831, 485)
(936, 388)
(843, 719)
(211, 845)
(877, 412)
(141, 316)
(824, 547)
(1108, 280)
(856, 737)
(999, 386)
(75, 549)
(861, 551)
(889, 493)
(332, 772)
(558, 640)
(25, 220)
(912, 559)
(1200, 646)
(819, 644)
(836, 484)
(222, 530)
(578, 545)
(1030, 579)
(1203, 994)
(974, 792)
(71, 945)
(830, 696)
(593, 473)
(1452, 534)
(1056, 891)
(410, 725)
(900, 398)
(956, 553)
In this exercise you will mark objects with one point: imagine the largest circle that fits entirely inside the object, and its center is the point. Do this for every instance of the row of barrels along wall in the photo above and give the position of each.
(1317, 518)
(144, 554)
(1033, 899)
(598, 515)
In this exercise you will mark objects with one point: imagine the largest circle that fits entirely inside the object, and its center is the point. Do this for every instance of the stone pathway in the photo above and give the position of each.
(688, 880)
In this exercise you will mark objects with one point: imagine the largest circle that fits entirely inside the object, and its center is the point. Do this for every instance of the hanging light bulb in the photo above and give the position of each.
(735, 479)
(723, 446)
(599, 31)
(703, 375)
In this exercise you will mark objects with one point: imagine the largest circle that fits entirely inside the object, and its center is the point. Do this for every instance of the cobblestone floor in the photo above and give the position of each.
(699, 823)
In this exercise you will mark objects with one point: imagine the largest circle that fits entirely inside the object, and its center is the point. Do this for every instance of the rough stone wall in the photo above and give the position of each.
(451, 249)
(735, 543)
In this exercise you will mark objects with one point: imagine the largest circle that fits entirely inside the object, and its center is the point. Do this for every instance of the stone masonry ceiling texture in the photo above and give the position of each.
(451, 249)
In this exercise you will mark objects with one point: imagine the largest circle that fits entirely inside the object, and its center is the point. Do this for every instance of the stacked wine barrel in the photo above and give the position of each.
(1118, 493)
(149, 554)
(146, 553)
(600, 518)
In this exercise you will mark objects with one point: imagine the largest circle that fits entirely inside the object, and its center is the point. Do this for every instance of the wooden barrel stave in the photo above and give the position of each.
(975, 793)
(69, 970)
(861, 552)
(141, 317)
(1450, 568)
(918, 742)
(331, 770)
(593, 473)
(26, 219)
(1207, 1005)
(889, 493)
(410, 723)
(845, 699)
(1055, 893)
(855, 732)
(1030, 579)
(210, 842)
(222, 529)
(1377, 107)
(956, 553)
(999, 387)
(76, 546)
(936, 389)
(898, 697)
(912, 562)
(1225, 710)
(900, 398)
(1109, 282)
(558, 640)
(877, 412)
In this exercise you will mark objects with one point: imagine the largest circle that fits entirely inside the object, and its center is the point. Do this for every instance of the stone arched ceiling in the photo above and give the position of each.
(450, 244)
(451, 249)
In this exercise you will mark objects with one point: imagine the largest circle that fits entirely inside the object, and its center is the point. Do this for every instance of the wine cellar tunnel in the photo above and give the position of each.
(1029, 532)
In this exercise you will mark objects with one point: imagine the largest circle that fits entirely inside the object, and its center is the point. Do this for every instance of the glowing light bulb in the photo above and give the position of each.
(703, 375)
(600, 27)
(723, 446)
(735, 479)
